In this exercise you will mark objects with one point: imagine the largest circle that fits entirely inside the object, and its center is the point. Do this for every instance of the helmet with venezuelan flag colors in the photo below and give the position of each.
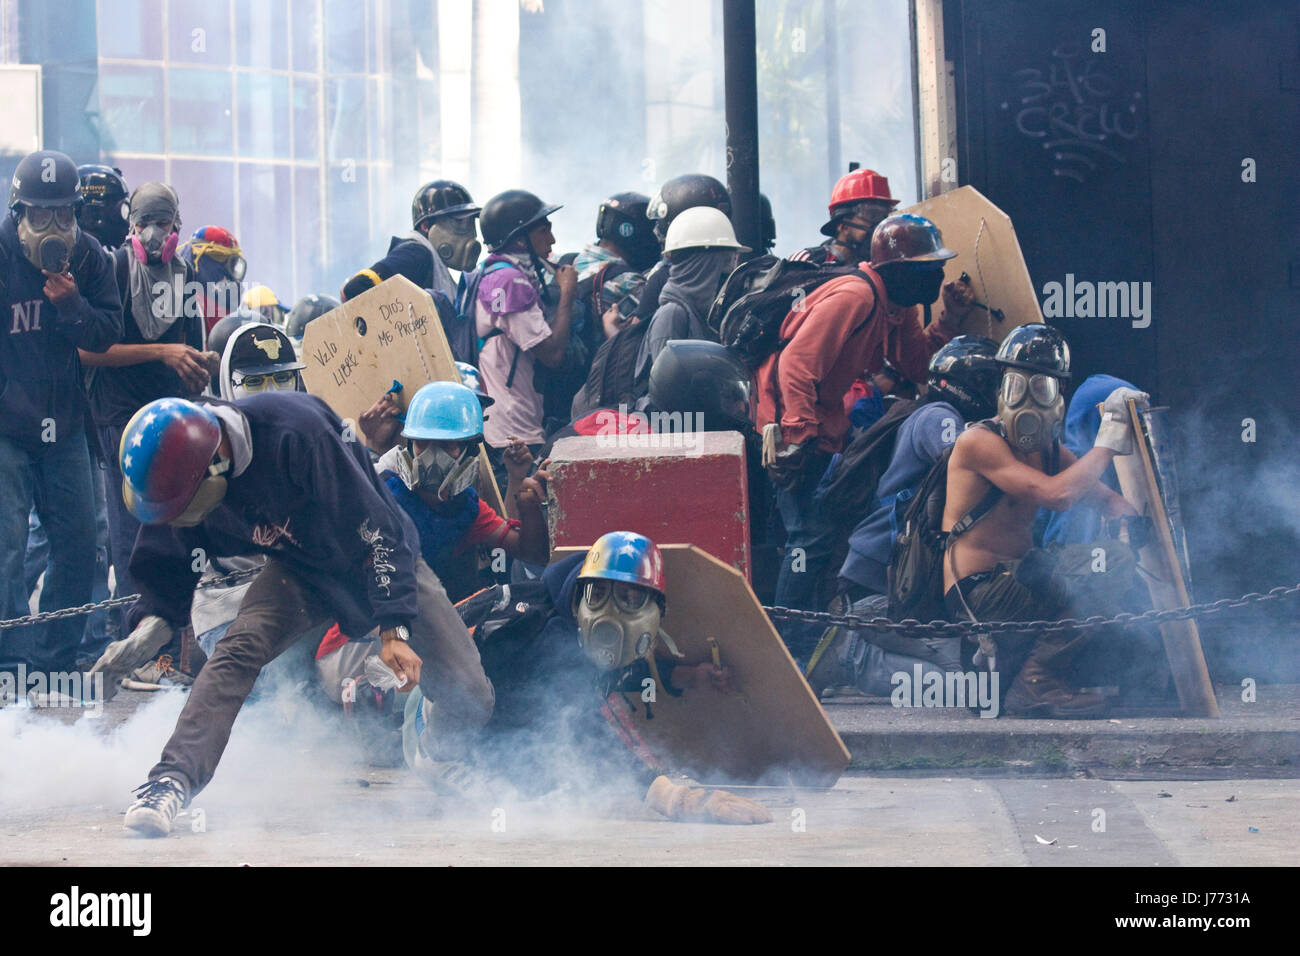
(167, 452)
(625, 556)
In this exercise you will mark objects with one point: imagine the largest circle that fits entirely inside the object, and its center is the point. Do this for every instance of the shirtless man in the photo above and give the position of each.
(991, 569)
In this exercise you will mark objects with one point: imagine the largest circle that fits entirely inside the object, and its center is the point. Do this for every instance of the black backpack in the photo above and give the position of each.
(850, 492)
(916, 564)
(747, 313)
(612, 380)
(505, 617)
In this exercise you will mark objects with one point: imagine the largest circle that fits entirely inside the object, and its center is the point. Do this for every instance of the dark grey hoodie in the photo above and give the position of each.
(694, 278)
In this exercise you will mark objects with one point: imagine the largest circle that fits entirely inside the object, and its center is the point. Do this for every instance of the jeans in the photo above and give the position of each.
(122, 525)
(54, 478)
(809, 540)
(277, 611)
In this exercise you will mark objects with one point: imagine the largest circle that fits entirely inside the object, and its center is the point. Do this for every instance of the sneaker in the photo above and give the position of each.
(156, 805)
(124, 656)
(159, 674)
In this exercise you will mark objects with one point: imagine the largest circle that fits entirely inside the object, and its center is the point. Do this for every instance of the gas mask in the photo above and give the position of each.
(913, 284)
(433, 470)
(47, 236)
(456, 240)
(1031, 409)
(617, 622)
(210, 493)
(154, 244)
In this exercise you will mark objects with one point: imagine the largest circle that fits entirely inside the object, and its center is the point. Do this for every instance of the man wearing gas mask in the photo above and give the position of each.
(1001, 472)
(57, 294)
(161, 351)
(844, 328)
(443, 237)
(561, 660)
(276, 473)
(219, 262)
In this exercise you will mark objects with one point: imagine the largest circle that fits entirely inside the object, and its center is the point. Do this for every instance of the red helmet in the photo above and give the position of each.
(907, 238)
(859, 185)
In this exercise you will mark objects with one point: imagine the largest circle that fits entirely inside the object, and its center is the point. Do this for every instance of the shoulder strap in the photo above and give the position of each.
(123, 270)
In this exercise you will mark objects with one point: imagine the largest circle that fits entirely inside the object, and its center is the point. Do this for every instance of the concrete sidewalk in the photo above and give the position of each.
(1261, 738)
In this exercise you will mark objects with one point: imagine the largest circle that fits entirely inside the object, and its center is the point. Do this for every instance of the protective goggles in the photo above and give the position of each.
(259, 383)
(228, 258)
(40, 217)
(629, 598)
(1043, 389)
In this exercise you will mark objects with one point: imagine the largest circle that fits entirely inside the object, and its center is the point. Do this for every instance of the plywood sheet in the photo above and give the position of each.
(390, 333)
(987, 249)
(772, 730)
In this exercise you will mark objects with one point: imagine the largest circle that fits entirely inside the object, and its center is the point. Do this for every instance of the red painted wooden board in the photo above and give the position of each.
(690, 490)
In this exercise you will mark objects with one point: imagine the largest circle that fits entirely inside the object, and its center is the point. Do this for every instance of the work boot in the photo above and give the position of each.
(1036, 692)
(156, 805)
(825, 665)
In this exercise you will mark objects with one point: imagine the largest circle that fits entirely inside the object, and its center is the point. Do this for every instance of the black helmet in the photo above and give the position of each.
(260, 348)
(307, 308)
(45, 178)
(1036, 348)
(225, 327)
(964, 374)
(622, 220)
(509, 215)
(683, 192)
(442, 197)
(105, 205)
(692, 375)
(766, 226)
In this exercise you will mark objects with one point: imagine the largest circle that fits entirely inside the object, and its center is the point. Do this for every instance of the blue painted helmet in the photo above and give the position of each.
(444, 411)
(166, 453)
(625, 556)
(472, 379)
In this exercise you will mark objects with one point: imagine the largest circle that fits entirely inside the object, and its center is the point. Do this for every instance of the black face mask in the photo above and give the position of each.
(911, 286)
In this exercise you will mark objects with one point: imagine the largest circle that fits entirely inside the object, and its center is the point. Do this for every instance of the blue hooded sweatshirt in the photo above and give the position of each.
(1082, 523)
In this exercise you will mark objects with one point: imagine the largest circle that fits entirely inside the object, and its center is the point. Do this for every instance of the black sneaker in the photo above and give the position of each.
(156, 805)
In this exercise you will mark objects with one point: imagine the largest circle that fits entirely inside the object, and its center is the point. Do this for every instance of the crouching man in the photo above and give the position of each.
(274, 473)
(1001, 472)
(560, 659)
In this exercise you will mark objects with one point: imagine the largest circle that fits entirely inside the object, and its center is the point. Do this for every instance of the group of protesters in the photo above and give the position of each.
(156, 435)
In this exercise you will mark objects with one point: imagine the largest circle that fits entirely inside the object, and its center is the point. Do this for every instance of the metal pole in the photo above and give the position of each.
(739, 44)
(832, 56)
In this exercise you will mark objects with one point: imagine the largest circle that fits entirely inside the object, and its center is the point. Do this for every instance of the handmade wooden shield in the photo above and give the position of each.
(1140, 483)
(390, 335)
(988, 252)
(772, 730)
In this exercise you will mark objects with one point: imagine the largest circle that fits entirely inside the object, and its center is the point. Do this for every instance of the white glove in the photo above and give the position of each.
(1116, 431)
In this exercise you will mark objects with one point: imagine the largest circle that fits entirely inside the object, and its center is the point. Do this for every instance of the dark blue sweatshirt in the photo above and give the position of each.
(309, 498)
(40, 373)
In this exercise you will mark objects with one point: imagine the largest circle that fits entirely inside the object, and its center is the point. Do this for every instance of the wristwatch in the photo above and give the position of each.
(401, 633)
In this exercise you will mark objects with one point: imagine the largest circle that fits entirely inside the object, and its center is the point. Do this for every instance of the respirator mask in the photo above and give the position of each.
(433, 470)
(617, 622)
(155, 243)
(1031, 409)
(456, 240)
(47, 235)
(210, 493)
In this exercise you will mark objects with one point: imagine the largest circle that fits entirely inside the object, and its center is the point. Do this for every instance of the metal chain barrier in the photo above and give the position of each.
(234, 577)
(910, 626)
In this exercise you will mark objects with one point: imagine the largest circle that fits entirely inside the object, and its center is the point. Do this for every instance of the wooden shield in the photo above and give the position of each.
(388, 334)
(987, 250)
(772, 730)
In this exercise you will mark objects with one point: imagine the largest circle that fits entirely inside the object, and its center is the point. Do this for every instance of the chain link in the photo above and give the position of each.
(911, 626)
(234, 577)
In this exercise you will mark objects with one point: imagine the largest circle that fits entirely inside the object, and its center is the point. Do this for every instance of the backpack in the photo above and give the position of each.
(916, 564)
(747, 313)
(503, 618)
(849, 494)
(460, 318)
(612, 380)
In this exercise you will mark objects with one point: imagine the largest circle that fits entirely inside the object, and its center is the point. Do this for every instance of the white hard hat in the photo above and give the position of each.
(701, 227)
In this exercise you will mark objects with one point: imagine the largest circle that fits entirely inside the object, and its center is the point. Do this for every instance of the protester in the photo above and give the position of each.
(859, 202)
(58, 293)
(442, 238)
(160, 353)
(219, 263)
(305, 311)
(277, 473)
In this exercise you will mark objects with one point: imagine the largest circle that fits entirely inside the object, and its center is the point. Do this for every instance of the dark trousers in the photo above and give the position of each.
(809, 541)
(122, 525)
(276, 612)
(55, 479)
